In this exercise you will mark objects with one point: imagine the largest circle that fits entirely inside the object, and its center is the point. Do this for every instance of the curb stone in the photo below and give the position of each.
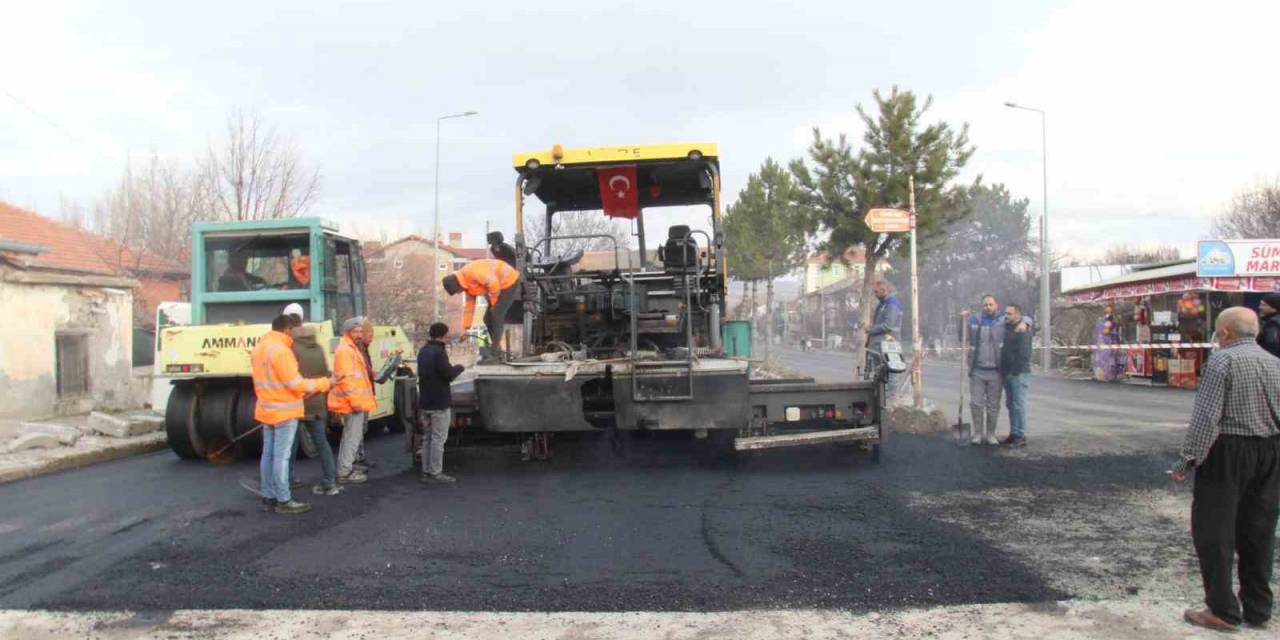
(71, 459)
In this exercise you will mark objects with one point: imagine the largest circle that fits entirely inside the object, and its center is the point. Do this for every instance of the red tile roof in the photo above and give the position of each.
(853, 254)
(459, 252)
(70, 249)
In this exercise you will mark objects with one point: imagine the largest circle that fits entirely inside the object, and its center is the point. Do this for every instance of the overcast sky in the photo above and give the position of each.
(1157, 111)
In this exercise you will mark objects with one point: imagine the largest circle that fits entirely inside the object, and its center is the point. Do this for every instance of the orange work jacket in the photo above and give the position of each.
(485, 277)
(352, 386)
(276, 381)
(301, 268)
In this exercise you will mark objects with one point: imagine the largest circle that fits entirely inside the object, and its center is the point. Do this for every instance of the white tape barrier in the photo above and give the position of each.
(1107, 347)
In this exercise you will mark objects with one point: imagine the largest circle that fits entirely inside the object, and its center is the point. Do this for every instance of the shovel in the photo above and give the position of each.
(962, 429)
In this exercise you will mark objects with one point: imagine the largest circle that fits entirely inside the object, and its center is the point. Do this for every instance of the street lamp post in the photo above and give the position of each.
(435, 220)
(1045, 323)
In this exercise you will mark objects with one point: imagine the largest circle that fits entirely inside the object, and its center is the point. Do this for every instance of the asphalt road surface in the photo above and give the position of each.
(1085, 512)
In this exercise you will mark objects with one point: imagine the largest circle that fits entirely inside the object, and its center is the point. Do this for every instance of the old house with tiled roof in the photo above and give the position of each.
(67, 315)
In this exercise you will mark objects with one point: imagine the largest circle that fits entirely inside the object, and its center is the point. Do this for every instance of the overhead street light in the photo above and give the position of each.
(435, 220)
(1044, 322)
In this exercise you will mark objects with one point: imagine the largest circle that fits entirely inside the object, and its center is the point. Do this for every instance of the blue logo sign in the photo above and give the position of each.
(1215, 259)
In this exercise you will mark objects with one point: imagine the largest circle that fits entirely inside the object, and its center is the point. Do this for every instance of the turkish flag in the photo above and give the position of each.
(619, 193)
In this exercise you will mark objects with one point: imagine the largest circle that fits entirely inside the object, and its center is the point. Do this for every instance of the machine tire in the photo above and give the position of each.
(217, 416)
(179, 420)
(246, 402)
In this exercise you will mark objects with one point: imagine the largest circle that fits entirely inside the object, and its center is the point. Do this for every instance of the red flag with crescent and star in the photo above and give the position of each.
(619, 193)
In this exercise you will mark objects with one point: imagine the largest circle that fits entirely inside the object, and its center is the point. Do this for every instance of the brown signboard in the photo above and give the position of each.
(888, 220)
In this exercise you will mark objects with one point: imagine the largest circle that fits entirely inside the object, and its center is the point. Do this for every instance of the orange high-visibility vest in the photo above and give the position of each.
(352, 387)
(301, 268)
(276, 381)
(485, 277)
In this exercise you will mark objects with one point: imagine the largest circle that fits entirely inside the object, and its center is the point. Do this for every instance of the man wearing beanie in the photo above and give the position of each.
(1269, 336)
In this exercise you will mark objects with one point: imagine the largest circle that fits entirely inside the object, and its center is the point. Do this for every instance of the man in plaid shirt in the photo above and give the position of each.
(1233, 443)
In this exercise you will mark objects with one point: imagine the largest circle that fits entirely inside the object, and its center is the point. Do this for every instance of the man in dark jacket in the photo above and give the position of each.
(1269, 336)
(435, 373)
(1015, 368)
(312, 364)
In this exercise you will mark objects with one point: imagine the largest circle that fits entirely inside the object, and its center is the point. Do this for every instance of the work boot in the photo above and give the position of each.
(1014, 442)
(438, 478)
(326, 489)
(355, 477)
(292, 506)
(269, 504)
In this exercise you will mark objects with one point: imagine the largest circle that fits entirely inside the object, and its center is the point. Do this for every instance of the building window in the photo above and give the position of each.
(72, 353)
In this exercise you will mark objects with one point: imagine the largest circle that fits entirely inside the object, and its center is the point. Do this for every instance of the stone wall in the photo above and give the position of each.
(33, 315)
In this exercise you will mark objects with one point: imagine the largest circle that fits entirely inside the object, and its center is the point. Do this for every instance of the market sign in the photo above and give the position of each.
(888, 220)
(1246, 258)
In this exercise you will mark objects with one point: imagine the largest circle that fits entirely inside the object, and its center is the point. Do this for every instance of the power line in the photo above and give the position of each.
(56, 125)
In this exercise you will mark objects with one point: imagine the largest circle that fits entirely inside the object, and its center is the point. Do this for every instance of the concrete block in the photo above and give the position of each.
(124, 426)
(65, 434)
(145, 422)
(34, 441)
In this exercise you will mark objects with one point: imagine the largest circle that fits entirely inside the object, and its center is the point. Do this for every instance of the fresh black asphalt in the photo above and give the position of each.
(666, 523)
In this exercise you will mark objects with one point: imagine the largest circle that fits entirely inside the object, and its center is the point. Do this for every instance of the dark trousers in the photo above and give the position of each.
(496, 314)
(1237, 497)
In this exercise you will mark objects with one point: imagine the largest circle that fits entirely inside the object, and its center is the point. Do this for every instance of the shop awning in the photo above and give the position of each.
(1174, 278)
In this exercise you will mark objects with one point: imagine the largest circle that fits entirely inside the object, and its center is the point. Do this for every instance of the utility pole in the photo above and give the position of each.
(435, 222)
(917, 389)
(1046, 327)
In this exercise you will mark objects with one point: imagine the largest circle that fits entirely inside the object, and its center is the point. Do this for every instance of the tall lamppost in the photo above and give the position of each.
(1046, 326)
(435, 220)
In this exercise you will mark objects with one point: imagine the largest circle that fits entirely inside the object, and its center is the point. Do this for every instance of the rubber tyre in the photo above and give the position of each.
(179, 421)
(246, 402)
(215, 421)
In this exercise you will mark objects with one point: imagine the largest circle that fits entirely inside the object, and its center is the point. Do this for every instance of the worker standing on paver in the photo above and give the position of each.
(280, 390)
(1233, 443)
(435, 373)
(494, 279)
(352, 397)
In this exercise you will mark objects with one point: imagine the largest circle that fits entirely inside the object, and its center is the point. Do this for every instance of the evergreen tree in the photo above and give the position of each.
(838, 185)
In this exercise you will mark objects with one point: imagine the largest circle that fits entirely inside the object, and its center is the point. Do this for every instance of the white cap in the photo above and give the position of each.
(294, 309)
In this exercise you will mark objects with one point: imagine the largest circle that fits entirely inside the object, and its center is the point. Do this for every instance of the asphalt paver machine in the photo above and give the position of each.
(632, 339)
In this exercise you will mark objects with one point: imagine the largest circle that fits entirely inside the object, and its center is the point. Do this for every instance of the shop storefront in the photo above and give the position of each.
(1141, 312)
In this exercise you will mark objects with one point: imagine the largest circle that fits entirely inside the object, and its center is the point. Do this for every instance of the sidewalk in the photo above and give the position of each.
(1069, 620)
(89, 448)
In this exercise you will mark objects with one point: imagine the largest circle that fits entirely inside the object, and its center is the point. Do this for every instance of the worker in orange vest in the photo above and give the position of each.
(279, 389)
(497, 281)
(352, 397)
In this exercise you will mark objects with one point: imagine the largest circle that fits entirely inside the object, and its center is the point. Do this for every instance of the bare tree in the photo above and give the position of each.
(150, 210)
(257, 173)
(398, 293)
(577, 223)
(1252, 213)
(1125, 254)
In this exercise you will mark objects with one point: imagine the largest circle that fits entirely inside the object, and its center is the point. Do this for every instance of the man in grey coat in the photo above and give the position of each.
(986, 339)
(886, 326)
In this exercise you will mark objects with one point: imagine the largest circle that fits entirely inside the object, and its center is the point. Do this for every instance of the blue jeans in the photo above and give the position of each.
(1015, 397)
(328, 467)
(277, 448)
